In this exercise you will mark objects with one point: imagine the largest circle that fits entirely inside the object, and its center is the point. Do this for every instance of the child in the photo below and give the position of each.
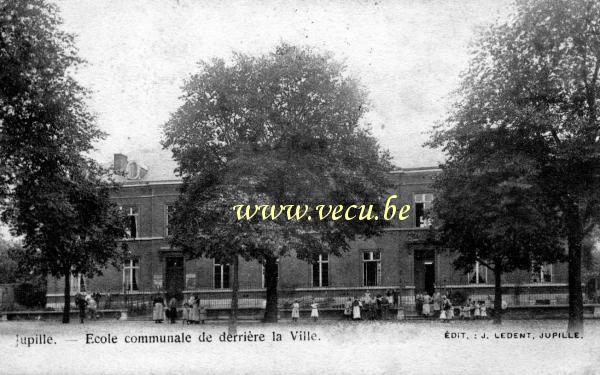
(186, 313)
(476, 310)
(295, 311)
(483, 309)
(202, 312)
(442, 308)
(449, 310)
(314, 313)
(356, 309)
(466, 310)
(348, 309)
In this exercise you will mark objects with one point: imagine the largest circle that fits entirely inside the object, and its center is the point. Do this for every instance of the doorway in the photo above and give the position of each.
(174, 277)
(424, 271)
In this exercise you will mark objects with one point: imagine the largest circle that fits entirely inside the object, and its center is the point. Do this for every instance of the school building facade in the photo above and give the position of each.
(399, 259)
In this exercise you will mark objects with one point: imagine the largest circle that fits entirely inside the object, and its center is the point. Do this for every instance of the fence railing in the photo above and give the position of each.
(141, 301)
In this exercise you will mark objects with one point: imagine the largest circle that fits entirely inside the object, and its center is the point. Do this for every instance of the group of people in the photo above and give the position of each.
(370, 307)
(193, 312)
(474, 310)
(439, 306)
(87, 302)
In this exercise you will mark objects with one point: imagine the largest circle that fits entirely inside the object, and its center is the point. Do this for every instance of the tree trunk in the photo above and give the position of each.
(234, 297)
(271, 277)
(67, 298)
(497, 294)
(574, 237)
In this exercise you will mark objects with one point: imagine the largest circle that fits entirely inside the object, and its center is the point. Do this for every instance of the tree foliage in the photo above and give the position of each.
(534, 77)
(52, 193)
(282, 128)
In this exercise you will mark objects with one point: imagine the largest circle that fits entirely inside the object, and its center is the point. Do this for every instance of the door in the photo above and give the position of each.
(424, 271)
(174, 277)
(429, 277)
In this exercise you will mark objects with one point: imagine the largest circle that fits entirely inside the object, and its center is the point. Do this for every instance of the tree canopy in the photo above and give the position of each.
(534, 77)
(282, 128)
(52, 193)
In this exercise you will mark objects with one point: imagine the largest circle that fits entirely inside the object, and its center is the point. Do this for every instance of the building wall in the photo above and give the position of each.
(399, 247)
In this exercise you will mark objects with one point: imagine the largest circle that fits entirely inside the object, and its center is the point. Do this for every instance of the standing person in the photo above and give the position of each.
(158, 311)
(356, 309)
(443, 311)
(379, 307)
(476, 310)
(437, 304)
(295, 311)
(396, 297)
(185, 317)
(92, 306)
(426, 305)
(348, 309)
(194, 312)
(81, 304)
(419, 303)
(314, 313)
(173, 309)
(202, 311)
(385, 308)
(449, 309)
(483, 308)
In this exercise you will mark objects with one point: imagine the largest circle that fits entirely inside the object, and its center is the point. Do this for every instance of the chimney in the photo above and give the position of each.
(120, 163)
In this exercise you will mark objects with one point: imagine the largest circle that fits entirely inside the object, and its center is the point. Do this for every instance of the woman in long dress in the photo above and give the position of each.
(295, 311)
(158, 314)
(356, 309)
(426, 305)
(314, 313)
(202, 315)
(194, 312)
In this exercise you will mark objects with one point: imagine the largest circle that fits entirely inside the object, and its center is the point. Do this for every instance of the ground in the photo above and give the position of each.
(420, 347)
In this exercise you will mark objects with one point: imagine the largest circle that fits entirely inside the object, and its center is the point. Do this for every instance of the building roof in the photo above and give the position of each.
(158, 166)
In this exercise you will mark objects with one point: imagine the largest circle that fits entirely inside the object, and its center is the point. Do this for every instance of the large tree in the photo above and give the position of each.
(51, 192)
(488, 211)
(535, 76)
(283, 128)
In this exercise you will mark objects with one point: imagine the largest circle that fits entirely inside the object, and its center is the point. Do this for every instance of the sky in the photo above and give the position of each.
(407, 54)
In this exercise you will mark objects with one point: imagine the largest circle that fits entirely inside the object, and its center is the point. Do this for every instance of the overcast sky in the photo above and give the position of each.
(408, 54)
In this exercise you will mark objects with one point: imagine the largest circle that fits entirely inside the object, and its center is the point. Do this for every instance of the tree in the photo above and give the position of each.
(489, 212)
(52, 194)
(279, 129)
(535, 75)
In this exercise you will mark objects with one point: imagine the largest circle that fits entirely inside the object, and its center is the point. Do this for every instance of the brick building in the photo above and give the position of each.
(397, 259)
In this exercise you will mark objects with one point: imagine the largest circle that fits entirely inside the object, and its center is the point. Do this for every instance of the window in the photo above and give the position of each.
(132, 213)
(131, 269)
(78, 283)
(221, 276)
(168, 216)
(423, 204)
(478, 275)
(541, 273)
(371, 268)
(320, 271)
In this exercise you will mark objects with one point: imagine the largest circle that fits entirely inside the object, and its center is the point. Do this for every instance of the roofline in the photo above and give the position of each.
(179, 181)
(416, 170)
(146, 183)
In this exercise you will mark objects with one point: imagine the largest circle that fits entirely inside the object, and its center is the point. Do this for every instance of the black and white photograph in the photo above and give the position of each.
(300, 187)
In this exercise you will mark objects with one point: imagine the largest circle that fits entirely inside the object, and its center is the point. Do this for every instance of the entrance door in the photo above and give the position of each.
(424, 271)
(174, 280)
(429, 277)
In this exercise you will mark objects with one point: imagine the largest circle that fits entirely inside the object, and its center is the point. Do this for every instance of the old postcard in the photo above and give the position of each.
(299, 187)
